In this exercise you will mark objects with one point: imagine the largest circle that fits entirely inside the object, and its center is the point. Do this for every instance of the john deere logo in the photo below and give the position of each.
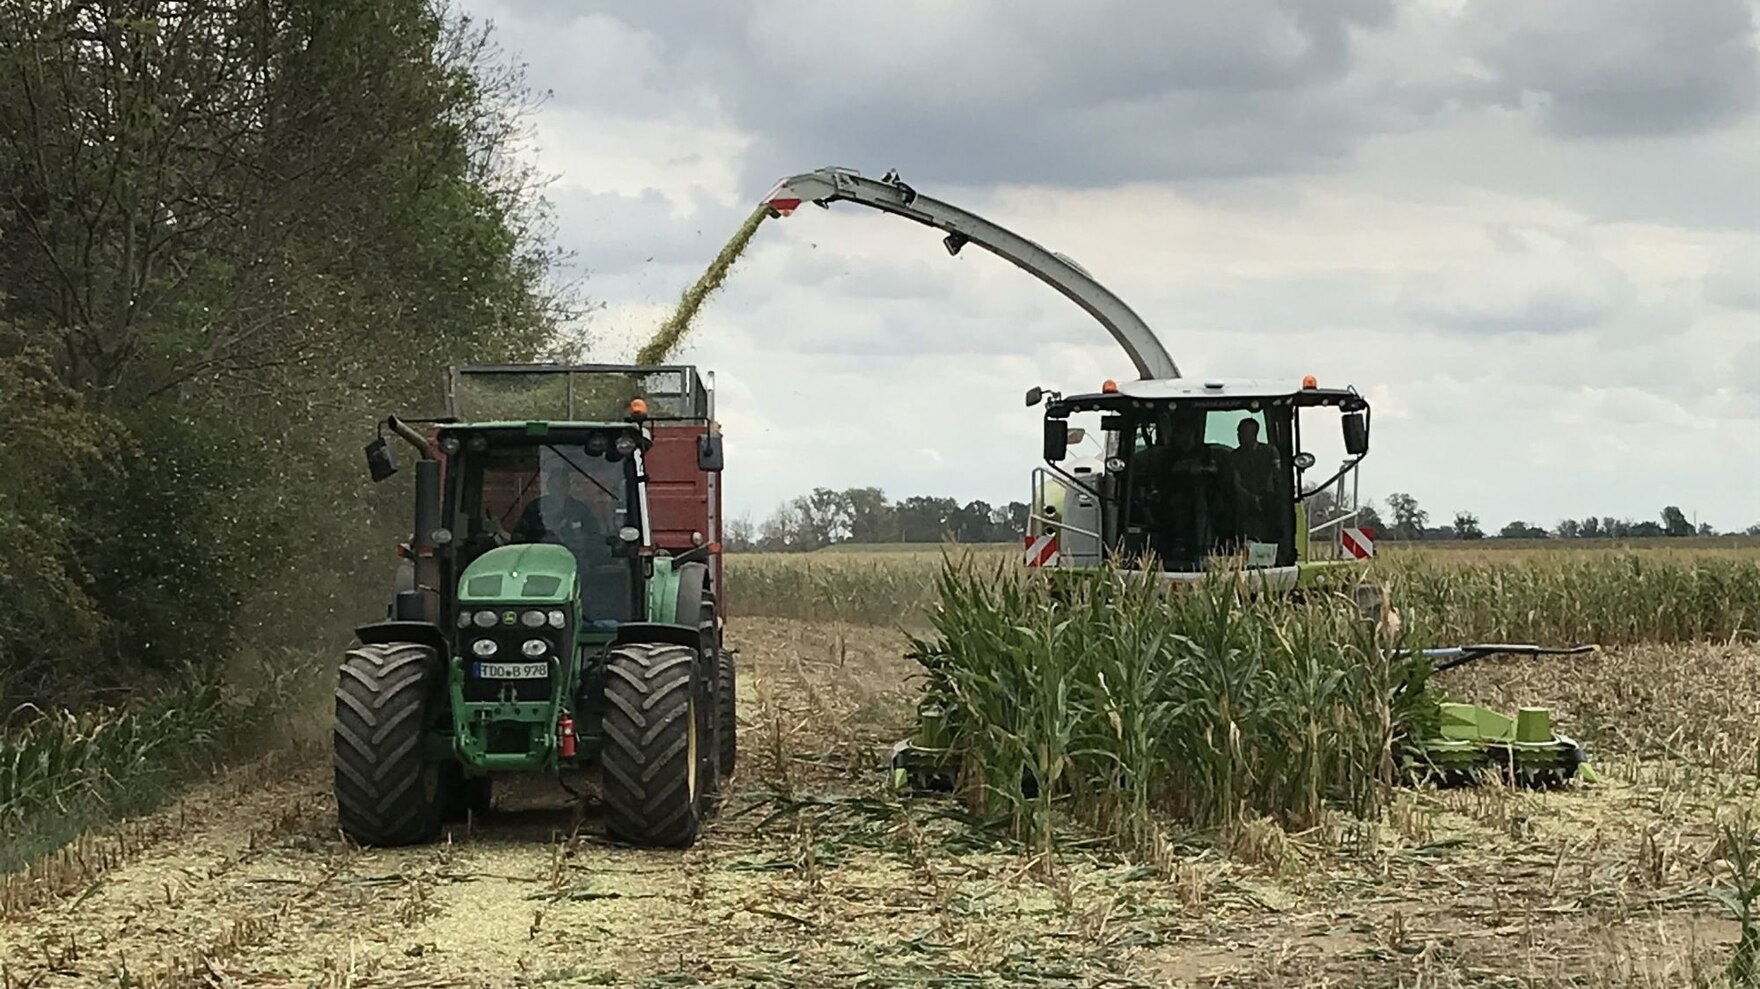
(509, 617)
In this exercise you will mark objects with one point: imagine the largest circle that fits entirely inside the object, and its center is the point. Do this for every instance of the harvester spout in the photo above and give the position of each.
(891, 195)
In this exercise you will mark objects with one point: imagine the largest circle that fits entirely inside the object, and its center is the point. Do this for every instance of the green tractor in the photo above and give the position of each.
(558, 608)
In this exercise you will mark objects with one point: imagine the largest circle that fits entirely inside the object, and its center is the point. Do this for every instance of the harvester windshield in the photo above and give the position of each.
(1204, 483)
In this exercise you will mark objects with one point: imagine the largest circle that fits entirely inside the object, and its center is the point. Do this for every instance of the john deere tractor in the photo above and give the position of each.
(557, 609)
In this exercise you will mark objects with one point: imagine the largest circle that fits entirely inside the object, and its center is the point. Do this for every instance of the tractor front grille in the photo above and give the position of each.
(484, 682)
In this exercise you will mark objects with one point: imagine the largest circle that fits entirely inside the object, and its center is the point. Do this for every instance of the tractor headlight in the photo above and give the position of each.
(558, 618)
(626, 444)
(484, 648)
(485, 618)
(449, 445)
(533, 648)
(532, 619)
(464, 619)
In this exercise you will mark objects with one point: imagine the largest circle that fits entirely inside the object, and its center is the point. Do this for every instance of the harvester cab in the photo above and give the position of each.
(1197, 473)
(558, 609)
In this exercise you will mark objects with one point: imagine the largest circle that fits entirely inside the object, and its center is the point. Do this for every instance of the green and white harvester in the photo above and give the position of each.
(1200, 477)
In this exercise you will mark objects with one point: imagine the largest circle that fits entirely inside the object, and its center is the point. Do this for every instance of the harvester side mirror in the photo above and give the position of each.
(709, 453)
(1356, 434)
(1056, 439)
(1035, 395)
(380, 462)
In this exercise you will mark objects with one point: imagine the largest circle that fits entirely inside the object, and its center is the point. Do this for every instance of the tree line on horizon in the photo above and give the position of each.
(866, 516)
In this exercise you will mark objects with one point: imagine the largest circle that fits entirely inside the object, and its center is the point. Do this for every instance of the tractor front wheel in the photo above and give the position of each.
(655, 744)
(387, 793)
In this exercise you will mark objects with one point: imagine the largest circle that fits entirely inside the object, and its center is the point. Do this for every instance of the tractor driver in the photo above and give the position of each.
(559, 516)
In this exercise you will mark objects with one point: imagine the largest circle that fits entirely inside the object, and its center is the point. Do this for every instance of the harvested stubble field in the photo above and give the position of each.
(813, 874)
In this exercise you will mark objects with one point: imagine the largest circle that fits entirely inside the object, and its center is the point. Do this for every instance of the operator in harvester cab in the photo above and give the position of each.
(1253, 469)
(1175, 474)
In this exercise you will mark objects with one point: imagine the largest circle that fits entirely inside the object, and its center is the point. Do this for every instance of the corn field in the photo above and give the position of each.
(1132, 704)
(1558, 596)
(60, 766)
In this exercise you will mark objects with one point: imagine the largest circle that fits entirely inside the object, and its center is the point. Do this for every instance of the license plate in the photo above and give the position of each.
(513, 671)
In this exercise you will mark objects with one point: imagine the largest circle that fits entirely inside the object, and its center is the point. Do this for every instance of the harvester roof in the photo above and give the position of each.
(1223, 392)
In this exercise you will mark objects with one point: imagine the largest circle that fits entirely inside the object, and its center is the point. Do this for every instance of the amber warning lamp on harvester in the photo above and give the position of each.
(1109, 387)
(638, 408)
(1309, 382)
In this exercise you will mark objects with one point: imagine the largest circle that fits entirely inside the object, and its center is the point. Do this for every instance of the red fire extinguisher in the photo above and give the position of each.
(565, 729)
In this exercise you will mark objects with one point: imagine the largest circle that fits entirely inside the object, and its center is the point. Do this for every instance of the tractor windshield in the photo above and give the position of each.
(1208, 482)
(554, 493)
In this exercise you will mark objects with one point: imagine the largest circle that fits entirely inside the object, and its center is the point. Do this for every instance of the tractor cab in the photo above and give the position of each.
(1194, 473)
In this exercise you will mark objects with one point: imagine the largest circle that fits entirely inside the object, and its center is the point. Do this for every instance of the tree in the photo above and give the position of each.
(871, 516)
(231, 220)
(1466, 526)
(1522, 530)
(1369, 517)
(1590, 528)
(926, 520)
(1569, 529)
(825, 517)
(741, 535)
(1675, 522)
(1408, 519)
(1017, 513)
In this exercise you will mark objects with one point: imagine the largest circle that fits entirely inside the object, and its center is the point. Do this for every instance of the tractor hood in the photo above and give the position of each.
(528, 573)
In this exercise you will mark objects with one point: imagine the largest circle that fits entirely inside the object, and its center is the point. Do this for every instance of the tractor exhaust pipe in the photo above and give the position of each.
(421, 543)
(421, 603)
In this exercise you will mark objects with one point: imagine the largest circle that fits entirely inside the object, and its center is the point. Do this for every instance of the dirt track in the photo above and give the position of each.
(811, 877)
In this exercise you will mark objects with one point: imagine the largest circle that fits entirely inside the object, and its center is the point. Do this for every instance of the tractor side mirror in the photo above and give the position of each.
(1056, 439)
(1356, 434)
(1035, 395)
(380, 462)
(709, 453)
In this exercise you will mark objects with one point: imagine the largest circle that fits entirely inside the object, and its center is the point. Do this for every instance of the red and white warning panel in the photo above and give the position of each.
(1042, 550)
(1359, 543)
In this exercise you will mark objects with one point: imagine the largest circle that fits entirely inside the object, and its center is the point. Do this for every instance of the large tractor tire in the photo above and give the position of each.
(726, 714)
(696, 599)
(387, 793)
(656, 733)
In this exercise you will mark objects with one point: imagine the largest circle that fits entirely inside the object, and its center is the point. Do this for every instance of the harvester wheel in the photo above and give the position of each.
(726, 714)
(387, 793)
(655, 729)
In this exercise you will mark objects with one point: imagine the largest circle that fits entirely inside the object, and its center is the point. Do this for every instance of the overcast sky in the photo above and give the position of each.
(1529, 232)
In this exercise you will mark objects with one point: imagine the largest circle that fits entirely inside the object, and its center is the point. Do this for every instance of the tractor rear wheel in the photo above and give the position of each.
(387, 793)
(655, 730)
(726, 710)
